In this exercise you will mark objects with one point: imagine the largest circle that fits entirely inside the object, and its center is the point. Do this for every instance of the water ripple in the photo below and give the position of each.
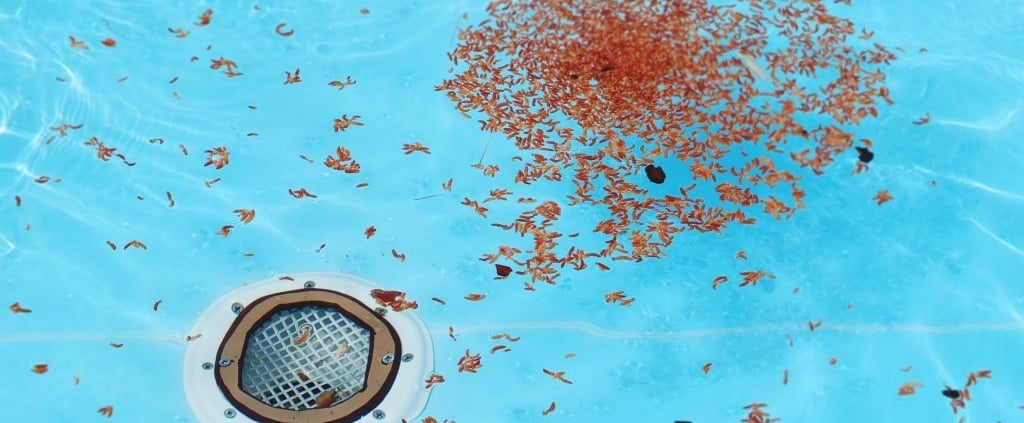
(996, 238)
(7, 107)
(973, 184)
(6, 246)
(994, 122)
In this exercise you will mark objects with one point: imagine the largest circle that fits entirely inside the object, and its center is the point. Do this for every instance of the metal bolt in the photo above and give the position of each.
(388, 358)
(407, 357)
(207, 365)
(237, 308)
(309, 284)
(224, 362)
(381, 311)
(230, 413)
(378, 414)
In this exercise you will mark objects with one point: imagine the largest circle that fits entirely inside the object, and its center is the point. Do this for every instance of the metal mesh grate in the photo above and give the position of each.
(299, 353)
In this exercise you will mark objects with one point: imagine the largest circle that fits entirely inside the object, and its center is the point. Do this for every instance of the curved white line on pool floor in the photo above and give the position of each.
(597, 331)
(972, 183)
(990, 124)
(580, 327)
(996, 238)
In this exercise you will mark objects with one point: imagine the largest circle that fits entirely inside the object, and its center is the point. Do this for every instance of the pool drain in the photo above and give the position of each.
(316, 352)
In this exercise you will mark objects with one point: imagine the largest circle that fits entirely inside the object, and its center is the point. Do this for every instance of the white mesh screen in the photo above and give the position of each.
(332, 357)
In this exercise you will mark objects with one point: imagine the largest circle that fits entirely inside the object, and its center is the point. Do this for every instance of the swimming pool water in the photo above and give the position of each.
(931, 279)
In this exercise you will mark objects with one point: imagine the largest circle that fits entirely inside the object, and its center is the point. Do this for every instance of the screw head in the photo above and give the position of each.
(237, 308)
(388, 358)
(230, 413)
(224, 362)
(207, 365)
(381, 311)
(378, 414)
(407, 357)
(309, 284)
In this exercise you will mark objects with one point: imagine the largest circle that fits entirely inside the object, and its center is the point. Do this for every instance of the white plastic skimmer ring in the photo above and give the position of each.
(309, 348)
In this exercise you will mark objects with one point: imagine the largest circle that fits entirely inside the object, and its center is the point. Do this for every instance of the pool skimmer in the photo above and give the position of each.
(308, 348)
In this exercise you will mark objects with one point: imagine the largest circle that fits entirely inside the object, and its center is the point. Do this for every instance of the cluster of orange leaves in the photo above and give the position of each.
(965, 394)
(344, 122)
(62, 130)
(245, 215)
(106, 410)
(882, 197)
(619, 297)
(292, 79)
(598, 91)
(415, 147)
(343, 162)
(502, 347)
(750, 277)
(756, 415)
(104, 152)
(394, 299)
(301, 193)
(228, 65)
(910, 388)
(434, 380)
(469, 363)
(217, 157)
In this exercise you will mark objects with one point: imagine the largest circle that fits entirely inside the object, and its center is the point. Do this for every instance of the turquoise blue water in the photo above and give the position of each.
(933, 276)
